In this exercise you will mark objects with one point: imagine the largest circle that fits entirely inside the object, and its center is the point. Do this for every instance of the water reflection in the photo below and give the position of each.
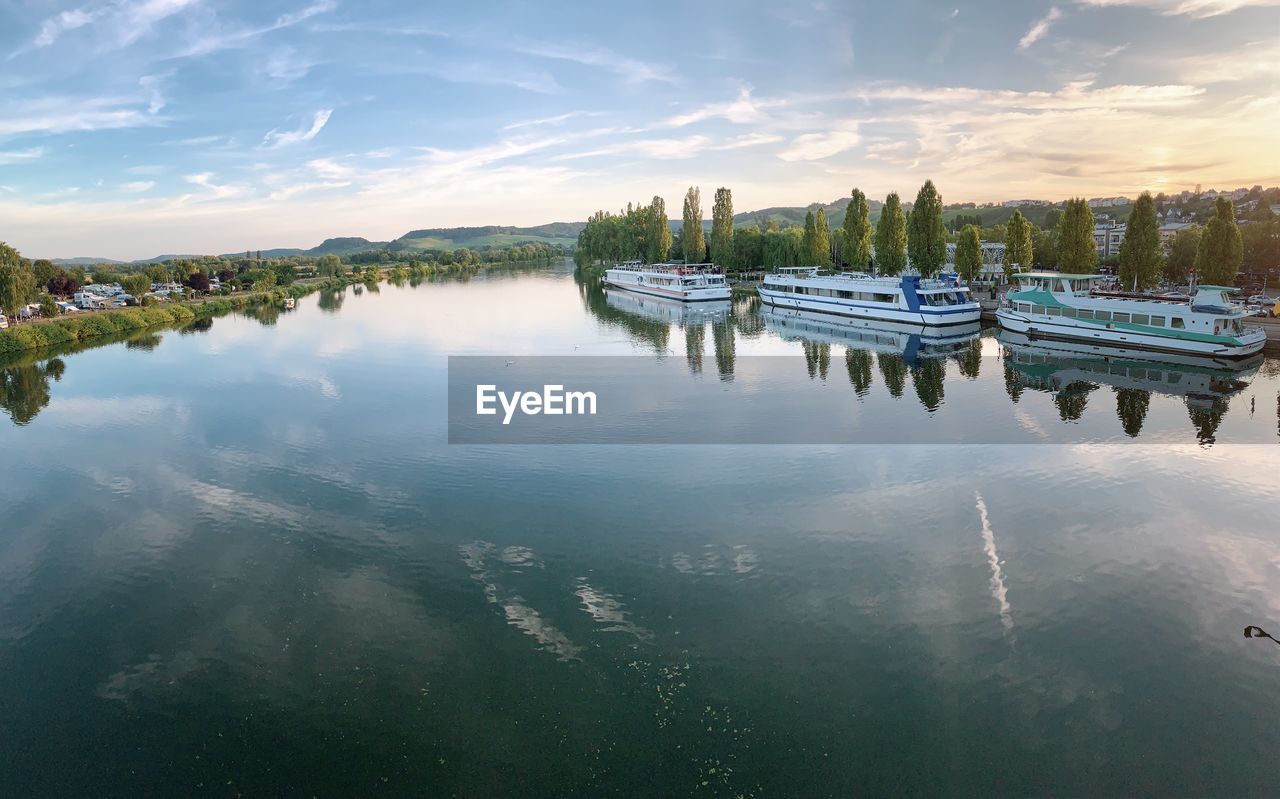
(24, 390)
(1071, 373)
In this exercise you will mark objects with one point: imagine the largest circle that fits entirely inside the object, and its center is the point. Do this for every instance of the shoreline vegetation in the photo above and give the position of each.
(44, 338)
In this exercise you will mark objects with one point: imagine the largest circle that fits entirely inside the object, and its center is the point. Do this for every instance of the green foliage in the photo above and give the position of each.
(969, 253)
(17, 281)
(1140, 254)
(1077, 253)
(820, 253)
(783, 247)
(49, 306)
(857, 232)
(1018, 245)
(691, 237)
(891, 238)
(1044, 248)
(136, 284)
(722, 228)
(1221, 251)
(658, 232)
(1261, 246)
(926, 234)
(329, 265)
(1182, 255)
(748, 248)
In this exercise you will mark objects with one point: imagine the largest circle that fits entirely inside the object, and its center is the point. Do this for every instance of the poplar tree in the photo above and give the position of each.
(659, 236)
(810, 234)
(891, 237)
(1077, 253)
(969, 253)
(857, 231)
(1141, 257)
(1017, 245)
(722, 227)
(926, 234)
(691, 236)
(821, 254)
(17, 281)
(1221, 250)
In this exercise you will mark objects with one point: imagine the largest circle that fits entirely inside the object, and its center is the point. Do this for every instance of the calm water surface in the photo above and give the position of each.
(245, 561)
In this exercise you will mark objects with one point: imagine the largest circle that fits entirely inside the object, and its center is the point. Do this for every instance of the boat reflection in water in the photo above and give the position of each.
(657, 314)
(1072, 371)
(900, 349)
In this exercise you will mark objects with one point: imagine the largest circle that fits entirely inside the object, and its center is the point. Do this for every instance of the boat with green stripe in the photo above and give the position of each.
(1055, 305)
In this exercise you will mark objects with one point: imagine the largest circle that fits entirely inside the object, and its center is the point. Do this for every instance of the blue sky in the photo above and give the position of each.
(135, 127)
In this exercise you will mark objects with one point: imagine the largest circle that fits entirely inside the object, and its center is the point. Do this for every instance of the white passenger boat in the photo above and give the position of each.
(912, 341)
(661, 309)
(905, 298)
(1052, 305)
(681, 282)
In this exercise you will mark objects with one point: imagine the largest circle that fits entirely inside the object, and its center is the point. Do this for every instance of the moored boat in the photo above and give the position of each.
(680, 282)
(907, 299)
(661, 309)
(912, 341)
(1053, 305)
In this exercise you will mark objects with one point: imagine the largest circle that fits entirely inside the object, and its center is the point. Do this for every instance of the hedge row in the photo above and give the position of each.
(72, 329)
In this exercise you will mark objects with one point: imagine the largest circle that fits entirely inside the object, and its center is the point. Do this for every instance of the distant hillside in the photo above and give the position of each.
(565, 233)
(83, 261)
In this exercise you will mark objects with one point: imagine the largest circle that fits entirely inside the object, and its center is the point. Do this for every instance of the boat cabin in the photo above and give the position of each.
(1057, 282)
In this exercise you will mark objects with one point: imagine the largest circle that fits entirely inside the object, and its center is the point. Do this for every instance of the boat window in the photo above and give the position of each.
(1102, 316)
(1141, 319)
(1157, 321)
(1069, 312)
(1119, 317)
(1084, 313)
(1025, 307)
(845, 295)
(1037, 309)
(1176, 323)
(1054, 310)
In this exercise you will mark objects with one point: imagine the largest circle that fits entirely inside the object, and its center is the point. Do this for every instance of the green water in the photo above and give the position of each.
(245, 561)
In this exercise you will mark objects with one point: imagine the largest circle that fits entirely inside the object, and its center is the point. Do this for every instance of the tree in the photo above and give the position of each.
(659, 234)
(969, 253)
(17, 281)
(691, 236)
(891, 238)
(1018, 247)
(136, 284)
(1220, 252)
(1140, 253)
(722, 228)
(1182, 255)
(748, 248)
(49, 306)
(103, 275)
(857, 232)
(1261, 246)
(329, 265)
(1077, 253)
(44, 271)
(199, 281)
(810, 235)
(926, 234)
(821, 253)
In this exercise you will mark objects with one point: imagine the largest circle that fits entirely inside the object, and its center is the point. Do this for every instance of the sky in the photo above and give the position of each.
(132, 128)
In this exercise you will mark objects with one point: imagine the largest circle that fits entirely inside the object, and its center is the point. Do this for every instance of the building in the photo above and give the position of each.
(1108, 202)
(1107, 237)
(1170, 229)
(992, 260)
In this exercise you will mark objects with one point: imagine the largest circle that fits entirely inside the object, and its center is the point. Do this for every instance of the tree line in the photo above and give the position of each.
(917, 237)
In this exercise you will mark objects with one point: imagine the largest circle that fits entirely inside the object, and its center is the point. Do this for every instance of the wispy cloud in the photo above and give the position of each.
(53, 27)
(817, 146)
(632, 70)
(220, 39)
(742, 110)
(275, 138)
(20, 156)
(1038, 30)
(64, 114)
(137, 186)
(216, 191)
(1192, 8)
(558, 118)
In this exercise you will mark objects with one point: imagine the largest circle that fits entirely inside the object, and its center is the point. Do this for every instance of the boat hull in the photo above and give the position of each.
(1112, 338)
(835, 307)
(677, 295)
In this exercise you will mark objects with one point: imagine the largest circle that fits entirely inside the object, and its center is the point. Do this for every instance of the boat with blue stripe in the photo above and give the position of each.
(909, 299)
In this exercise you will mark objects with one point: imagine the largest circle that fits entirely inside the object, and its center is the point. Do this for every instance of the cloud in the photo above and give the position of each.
(530, 123)
(55, 114)
(743, 110)
(1038, 30)
(674, 149)
(275, 138)
(817, 146)
(53, 27)
(1259, 60)
(20, 156)
(217, 191)
(1198, 9)
(632, 70)
(223, 39)
(137, 186)
(326, 168)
